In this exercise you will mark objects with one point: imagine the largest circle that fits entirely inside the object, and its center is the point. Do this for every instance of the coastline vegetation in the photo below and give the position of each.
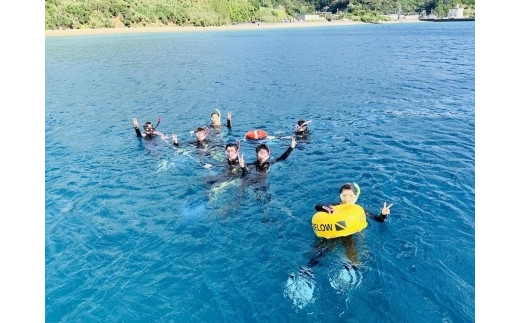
(94, 14)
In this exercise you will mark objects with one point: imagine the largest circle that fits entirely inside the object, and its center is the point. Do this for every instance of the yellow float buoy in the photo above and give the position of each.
(347, 219)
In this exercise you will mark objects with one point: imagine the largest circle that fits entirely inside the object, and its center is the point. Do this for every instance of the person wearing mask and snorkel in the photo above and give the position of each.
(215, 120)
(149, 130)
(262, 163)
(235, 171)
(304, 279)
(349, 193)
(301, 131)
(257, 170)
(202, 141)
(234, 160)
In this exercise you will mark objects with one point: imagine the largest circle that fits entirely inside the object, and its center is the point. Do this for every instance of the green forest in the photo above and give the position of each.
(89, 14)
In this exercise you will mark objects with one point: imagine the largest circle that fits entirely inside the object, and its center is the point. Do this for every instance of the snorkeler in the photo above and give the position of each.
(262, 155)
(301, 129)
(258, 180)
(349, 193)
(301, 132)
(215, 120)
(236, 170)
(235, 162)
(202, 142)
(149, 129)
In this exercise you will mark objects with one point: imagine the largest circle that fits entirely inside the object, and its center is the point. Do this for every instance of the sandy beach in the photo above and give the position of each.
(244, 26)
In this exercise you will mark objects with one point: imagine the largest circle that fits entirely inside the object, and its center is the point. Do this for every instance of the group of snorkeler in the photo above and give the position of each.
(348, 193)
(237, 168)
(236, 163)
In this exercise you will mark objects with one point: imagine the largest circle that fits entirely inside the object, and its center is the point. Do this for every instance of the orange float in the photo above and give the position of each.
(256, 134)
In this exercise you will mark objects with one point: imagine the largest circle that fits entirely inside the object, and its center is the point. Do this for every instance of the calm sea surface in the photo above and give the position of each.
(134, 232)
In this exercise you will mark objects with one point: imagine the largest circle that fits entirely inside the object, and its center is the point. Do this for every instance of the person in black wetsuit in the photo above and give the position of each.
(236, 170)
(262, 155)
(258, 170)
(215, 120)
(301, 131)
(235, 162)
(203, 144)
(235, 166)
(149, 130)
(348, 193)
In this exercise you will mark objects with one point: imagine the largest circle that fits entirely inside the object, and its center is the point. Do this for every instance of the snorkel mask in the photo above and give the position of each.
(153, 127)
(354, 187)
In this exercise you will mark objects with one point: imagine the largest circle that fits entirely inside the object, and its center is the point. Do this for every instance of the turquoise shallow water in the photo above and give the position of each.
(132, 234)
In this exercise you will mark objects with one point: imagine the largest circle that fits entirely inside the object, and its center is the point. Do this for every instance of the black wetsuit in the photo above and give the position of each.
(204, 144)
(228, 125)
(145, 136)
(233, 172)
(234, 166)
(258, 179)
(302, 134)
(264, 167)
(326, 207)
(140, 135)
(204, 149)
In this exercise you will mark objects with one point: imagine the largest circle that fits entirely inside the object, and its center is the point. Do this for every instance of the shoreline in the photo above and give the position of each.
(178, 29)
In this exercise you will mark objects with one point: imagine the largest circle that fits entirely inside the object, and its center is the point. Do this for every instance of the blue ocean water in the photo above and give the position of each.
(133, 232)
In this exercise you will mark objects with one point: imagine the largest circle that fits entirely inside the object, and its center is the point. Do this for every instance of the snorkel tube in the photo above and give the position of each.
(157, 125)
(358, 191)
(306, 123)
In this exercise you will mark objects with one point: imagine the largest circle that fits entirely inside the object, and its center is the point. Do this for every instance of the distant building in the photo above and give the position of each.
(456, 12)
(309, 17)
(403, 17)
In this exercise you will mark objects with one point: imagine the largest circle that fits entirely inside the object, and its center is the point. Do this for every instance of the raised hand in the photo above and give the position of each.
(241, 162)
(293, 142)
(386, 209)
(135, 124)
